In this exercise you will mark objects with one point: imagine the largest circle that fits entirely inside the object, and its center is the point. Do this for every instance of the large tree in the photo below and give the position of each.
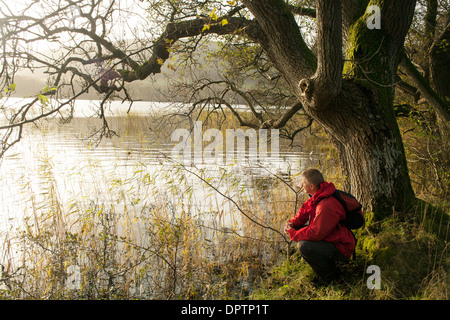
(346, 83)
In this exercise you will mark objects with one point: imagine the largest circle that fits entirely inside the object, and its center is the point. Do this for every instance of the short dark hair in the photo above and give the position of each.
(313, 176)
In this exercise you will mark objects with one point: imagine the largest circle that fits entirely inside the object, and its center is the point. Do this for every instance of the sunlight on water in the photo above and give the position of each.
(69, 196)
(57, 157)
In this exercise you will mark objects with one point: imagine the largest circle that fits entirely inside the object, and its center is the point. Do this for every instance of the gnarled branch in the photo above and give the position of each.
(326, 83)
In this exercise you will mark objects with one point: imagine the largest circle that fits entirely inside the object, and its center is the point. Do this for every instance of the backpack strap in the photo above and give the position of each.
(339, 198)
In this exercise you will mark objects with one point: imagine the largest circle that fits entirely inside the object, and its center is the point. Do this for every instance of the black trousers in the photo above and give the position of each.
(322, 256)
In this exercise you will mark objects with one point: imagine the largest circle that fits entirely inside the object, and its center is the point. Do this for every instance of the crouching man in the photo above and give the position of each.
(323, 241)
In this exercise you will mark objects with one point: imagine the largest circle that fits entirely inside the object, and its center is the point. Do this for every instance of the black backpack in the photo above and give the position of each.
(354, 216)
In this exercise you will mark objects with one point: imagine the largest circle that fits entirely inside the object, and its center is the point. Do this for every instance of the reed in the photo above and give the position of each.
(142, 233)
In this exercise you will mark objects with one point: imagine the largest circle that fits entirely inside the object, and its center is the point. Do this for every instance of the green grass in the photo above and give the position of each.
(414, 264)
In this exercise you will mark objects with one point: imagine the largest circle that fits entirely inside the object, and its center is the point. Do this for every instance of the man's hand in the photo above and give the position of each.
(288, 226)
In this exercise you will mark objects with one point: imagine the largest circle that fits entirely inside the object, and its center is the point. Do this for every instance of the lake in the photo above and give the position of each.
(63, 158)
(151, 212)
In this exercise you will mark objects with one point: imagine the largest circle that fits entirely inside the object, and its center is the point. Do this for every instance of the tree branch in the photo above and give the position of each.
(185, 29)
(281, 122)
(326, 84)
(396, 21)
(439, 105)
(284, 43)
(302, 11)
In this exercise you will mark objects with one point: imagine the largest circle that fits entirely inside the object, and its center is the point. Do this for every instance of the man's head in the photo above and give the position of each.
(311, 180)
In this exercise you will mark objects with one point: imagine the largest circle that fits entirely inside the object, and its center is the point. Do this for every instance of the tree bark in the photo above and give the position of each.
(326, 83)
(357, 113)
(371, 152)
(439, 62)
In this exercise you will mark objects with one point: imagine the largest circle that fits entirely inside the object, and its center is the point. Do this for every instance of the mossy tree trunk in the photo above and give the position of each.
(353, 101)
(374, 157)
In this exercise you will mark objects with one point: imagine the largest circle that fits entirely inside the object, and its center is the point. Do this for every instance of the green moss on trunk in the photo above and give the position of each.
(372, 63)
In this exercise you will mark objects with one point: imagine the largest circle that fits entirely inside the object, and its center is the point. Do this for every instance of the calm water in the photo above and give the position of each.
(57, 163)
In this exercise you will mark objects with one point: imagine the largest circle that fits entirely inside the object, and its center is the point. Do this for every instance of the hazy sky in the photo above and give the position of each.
(129, 22)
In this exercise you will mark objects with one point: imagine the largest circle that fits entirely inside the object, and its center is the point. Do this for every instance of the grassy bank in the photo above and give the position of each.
(134, 234)
(413, 261)
(411, 249)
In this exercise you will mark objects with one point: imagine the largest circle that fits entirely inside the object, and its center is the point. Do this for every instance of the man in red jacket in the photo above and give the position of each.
(322, 241)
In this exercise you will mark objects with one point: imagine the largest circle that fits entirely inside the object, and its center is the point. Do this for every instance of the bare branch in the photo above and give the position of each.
(186, 29)
(92, 59)
(439, 105)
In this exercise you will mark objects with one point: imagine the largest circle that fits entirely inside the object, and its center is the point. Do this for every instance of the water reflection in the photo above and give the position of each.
(56, 161)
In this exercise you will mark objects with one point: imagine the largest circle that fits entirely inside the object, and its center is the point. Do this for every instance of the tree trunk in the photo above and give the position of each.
(361, 119)
(355, 110)
(371, 151)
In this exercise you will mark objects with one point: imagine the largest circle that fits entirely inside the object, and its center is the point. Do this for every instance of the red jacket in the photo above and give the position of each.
(323, 220)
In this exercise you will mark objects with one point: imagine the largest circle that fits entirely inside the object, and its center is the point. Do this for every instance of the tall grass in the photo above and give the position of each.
(142, 234)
